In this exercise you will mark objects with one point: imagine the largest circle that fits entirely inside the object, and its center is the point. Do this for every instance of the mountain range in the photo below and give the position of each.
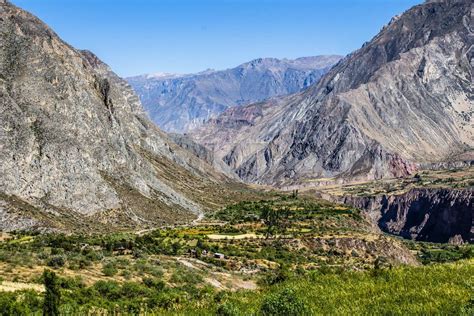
(401, 102)
(179, 103)
(77, 150)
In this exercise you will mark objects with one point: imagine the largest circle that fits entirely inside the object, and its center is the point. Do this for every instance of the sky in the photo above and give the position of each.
(185, 36)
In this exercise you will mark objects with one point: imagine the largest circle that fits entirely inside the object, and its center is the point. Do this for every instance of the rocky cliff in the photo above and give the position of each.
(77, 150)
(402, 100)
(435, 215)
(178, 103)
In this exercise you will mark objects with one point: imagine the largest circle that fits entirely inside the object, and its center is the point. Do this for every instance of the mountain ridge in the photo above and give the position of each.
(401, 100)
(178, 103)
(77, 149)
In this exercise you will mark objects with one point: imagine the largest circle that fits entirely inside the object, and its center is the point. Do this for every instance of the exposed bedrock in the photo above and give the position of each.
(435, 215)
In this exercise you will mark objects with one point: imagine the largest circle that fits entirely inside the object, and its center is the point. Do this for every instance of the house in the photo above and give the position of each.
(218, 255)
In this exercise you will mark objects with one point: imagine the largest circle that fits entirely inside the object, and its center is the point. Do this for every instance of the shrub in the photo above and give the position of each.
(227, 309)
(108, 289)
(278, 276)
(154, 284)
(185, 276)
(56, 262)
(285, 302)
(109, 269)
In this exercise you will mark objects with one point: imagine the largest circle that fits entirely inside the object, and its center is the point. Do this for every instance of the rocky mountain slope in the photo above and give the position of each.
(402, 100)
(77, 150)
(435, 215)
(178, 103)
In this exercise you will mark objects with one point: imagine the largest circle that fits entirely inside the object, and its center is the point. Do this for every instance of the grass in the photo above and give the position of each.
(438, 289)
(441, 289)
(322, 258)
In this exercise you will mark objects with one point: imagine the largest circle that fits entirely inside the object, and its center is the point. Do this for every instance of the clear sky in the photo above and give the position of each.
(183, 36)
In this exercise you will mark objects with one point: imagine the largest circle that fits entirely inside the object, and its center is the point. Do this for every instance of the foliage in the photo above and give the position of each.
(396, 291)
(441, 253)
(109, 269)
(52, 295)
(285, 302)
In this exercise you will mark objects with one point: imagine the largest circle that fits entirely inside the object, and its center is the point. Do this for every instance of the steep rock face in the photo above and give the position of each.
(75, 143)
(203, 153)
(435, 215)
(404, 99)
(179, 103)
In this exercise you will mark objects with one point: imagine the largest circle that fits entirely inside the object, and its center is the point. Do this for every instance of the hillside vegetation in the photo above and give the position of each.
(289, 255)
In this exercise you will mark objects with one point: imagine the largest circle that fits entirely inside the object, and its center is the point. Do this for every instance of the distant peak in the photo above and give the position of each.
(162, 75)
(207, 71)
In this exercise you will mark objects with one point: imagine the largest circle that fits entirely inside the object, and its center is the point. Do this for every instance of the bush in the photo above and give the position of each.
(285, 302)
(109, 269)
(185, 276)
(56, 262)
(227, 309)
(155, 284)
(108, 289)
(273, 277)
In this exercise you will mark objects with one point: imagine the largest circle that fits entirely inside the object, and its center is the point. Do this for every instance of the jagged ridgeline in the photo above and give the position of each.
(178, 103)
(76, 148)
(402, 102)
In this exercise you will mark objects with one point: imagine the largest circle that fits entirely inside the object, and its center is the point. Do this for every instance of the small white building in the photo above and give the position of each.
(218, 255)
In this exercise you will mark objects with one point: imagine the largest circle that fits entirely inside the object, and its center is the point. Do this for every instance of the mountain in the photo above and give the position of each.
(178, 103)
(77, 150)
(402, 101)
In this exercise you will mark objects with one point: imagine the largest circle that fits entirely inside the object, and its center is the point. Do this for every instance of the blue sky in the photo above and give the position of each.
(183, 36)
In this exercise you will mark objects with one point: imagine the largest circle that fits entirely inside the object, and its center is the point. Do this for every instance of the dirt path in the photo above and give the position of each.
(241, 236)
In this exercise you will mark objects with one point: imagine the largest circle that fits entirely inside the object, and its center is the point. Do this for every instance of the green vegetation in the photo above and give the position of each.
(434, 289)
(290, 255)
(52, 295)
(284, 302)
(451, 178)
(441, 253)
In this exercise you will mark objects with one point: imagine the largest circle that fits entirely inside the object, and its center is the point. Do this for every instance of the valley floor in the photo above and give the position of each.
(286, 255)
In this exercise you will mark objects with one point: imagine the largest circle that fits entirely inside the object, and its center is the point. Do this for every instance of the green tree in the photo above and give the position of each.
(52, 295)
(270, 218)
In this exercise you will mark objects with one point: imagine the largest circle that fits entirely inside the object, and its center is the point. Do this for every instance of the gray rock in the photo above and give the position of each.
(76, 148)
(435, 215)
(178, 103)
(403, 100)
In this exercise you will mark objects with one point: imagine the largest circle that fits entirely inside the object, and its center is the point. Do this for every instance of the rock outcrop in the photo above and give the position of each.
(178, 103)
(435, 215)
(76, 148)
(403, 100)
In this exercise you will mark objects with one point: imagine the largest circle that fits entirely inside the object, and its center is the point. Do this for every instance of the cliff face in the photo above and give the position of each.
(178, 103)
(403, 99)
(76, 147)
(435, 215)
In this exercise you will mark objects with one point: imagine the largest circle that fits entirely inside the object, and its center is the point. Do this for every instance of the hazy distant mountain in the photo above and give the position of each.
(402, 100)
(178, 103)
(77, 151)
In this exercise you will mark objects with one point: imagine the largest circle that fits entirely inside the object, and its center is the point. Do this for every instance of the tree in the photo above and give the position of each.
(270, 217)
(275, 220)
(294, 194)
(52, 295)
